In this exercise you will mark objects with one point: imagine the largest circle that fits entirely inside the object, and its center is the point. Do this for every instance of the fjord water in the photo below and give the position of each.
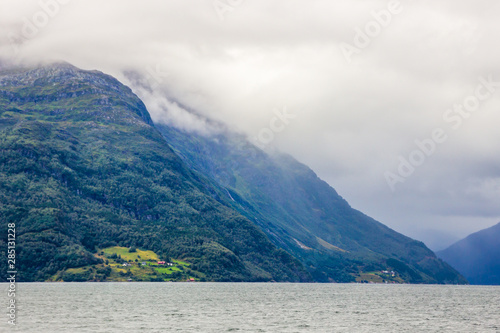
(259, 307)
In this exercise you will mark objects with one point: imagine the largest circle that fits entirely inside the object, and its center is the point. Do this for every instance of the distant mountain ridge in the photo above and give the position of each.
(477, 256)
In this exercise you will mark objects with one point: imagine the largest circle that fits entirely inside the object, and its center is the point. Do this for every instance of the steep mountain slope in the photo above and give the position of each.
(477, 256)
(305, 216)
(82, 168)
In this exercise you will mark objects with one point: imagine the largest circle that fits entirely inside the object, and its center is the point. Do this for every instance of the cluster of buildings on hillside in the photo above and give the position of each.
(162, 263)
(392, 273)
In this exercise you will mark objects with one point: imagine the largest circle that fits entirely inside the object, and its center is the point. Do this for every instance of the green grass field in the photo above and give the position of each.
(112, 268)
(126, 255)
(376, 277)
(167, 270)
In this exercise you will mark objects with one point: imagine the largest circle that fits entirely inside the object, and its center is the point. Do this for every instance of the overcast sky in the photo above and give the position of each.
(363, 79)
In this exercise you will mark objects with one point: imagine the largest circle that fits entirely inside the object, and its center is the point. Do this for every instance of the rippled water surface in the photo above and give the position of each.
(231, 307)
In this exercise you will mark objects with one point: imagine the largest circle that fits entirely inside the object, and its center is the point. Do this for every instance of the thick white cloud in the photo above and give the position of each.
(352, 119)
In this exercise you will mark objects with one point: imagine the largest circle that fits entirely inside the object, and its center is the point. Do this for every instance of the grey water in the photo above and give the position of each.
(252, 307)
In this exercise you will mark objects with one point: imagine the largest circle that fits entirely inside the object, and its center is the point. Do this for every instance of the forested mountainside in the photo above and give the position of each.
(86, 175)
(83, 169)
(305, 216)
